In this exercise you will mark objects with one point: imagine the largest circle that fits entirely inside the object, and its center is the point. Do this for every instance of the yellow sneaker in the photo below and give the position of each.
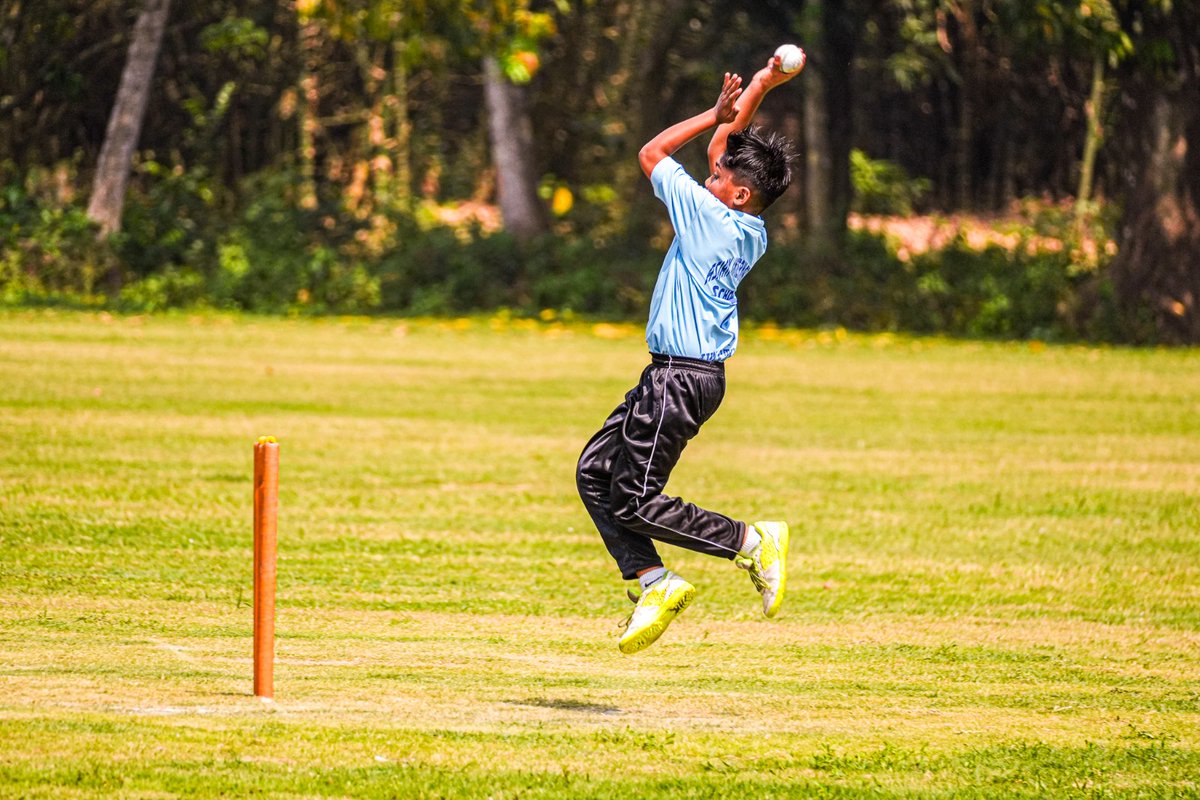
(768, 565)
(656, 608)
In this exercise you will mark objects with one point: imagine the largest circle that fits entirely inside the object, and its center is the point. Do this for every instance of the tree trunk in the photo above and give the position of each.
(817, 161)
(964, 139)
(511, 135)
(1156, 273)
(1091, 143)
(842, 31)
(125, 123)
(646, 33)
(829, 30)
(371, 58)
(402, 125)
(818, 158)
(310, 98)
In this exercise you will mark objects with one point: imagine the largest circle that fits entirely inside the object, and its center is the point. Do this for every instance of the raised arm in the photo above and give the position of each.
(763, 81)
(679, 134)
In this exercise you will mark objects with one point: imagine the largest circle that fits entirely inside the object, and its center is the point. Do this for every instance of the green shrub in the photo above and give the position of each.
(171, 219)
(275, 257)
(174, 287)
(882, 187)
(797, 284)
(442, 271)
(575, 275)
(995, 292)
(337, 285)
(48, 249)
(958, 290)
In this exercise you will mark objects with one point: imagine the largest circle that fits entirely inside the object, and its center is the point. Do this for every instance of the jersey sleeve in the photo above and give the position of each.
(696, 216)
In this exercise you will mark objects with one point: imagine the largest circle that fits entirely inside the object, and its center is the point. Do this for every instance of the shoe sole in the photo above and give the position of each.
(649, 635)
(784, 537)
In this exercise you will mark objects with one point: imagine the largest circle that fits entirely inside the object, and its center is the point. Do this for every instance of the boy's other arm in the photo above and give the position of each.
(764, 80)
(679, 134)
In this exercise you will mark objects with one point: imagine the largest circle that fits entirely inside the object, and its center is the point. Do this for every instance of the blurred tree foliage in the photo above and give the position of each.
(335, 154)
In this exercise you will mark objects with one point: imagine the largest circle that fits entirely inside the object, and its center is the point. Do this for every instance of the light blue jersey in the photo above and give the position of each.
(694, 312)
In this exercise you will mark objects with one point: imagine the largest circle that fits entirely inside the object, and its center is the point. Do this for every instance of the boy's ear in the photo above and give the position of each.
(741, 196)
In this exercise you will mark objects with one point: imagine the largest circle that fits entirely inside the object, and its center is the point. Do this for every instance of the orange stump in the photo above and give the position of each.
(266, 505)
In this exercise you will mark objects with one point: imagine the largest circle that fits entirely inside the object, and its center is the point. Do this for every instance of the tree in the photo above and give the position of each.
(125, 123)
(1156, 273)
(510, 59)
(831, 30)
(511, 134)
(384, 38)
(818, 155)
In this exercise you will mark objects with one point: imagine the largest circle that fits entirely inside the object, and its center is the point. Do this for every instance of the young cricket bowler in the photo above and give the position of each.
(692, 330)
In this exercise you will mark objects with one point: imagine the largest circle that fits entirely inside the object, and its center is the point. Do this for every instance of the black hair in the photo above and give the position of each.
(761, 161)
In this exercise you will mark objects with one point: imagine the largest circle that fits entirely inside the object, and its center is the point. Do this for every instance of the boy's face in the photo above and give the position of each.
(723, 186)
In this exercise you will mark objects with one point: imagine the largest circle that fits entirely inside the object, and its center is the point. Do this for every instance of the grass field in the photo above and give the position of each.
(995, 585)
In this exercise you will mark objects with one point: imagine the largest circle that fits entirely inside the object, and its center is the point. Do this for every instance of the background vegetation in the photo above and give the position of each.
(441, 156)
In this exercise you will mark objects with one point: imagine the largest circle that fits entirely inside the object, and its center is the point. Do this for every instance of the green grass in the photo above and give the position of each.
(995, 583)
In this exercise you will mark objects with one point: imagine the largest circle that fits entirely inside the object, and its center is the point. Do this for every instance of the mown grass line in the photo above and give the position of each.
(247, 763)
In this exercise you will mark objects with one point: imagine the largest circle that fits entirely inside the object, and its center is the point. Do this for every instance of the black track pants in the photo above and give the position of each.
(624, 468)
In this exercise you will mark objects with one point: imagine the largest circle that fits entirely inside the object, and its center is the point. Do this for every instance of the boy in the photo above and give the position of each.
(692, 330)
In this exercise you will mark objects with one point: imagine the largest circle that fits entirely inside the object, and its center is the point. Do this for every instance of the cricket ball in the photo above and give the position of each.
(791, 58)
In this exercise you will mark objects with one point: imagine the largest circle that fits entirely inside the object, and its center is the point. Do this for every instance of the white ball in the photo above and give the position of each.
(791, 58)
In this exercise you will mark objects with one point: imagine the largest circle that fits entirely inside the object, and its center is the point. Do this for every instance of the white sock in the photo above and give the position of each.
(753, 540)
(648, 579)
